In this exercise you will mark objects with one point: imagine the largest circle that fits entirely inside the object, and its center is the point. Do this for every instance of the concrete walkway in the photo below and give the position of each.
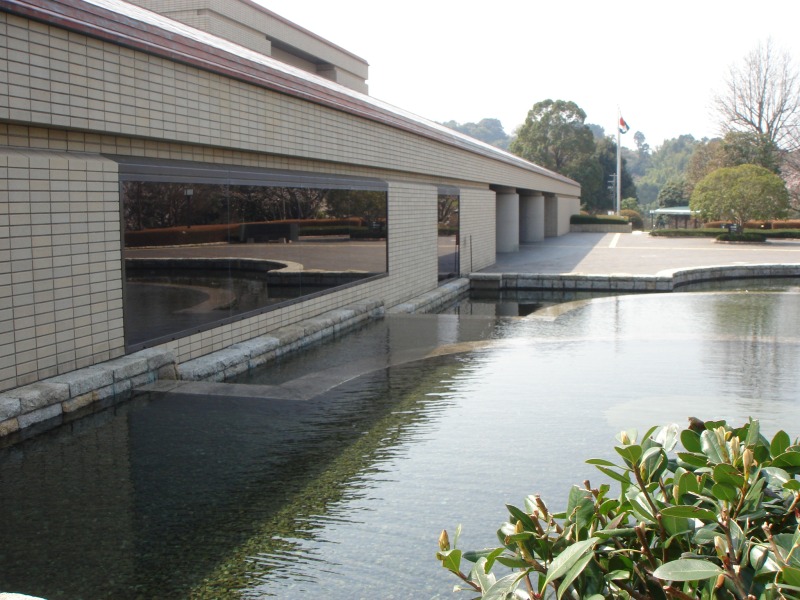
(637, 254)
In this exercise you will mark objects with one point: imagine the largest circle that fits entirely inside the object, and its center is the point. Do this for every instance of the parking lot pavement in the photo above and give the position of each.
(637, 254)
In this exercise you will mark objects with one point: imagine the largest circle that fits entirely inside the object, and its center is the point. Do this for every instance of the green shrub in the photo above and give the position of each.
(597, 220)
(705, 232)
(742, 237)
(717, 231)
(633, 217)
(716, 518)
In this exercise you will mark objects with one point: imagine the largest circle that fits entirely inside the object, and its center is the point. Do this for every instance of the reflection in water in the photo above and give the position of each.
(343, 495)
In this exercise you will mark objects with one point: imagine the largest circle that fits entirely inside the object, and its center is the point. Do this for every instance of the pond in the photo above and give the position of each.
(437, 420)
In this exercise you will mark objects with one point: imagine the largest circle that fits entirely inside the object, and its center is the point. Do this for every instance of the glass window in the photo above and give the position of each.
(448, 228)
(220, 245)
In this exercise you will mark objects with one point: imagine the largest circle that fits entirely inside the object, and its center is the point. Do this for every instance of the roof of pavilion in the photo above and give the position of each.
(127, 25)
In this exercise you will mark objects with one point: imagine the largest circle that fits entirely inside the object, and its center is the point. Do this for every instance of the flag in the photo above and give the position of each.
(623, 126)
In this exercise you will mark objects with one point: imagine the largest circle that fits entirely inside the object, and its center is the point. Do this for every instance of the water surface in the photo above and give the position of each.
(440, 420)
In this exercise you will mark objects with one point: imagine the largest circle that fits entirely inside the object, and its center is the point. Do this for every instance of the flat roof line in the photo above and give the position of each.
(133, 27)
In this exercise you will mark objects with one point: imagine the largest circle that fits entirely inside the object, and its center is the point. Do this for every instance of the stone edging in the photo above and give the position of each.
(435, 299)
(665, 281)
(50, 402)
(33, 408)
(241, 357)
(598, 228)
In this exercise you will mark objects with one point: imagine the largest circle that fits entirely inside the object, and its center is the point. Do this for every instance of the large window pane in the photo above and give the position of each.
(198, 254)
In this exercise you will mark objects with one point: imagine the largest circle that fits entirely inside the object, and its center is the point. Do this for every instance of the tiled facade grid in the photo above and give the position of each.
(60, 265)
(477, 229)
(151, 97)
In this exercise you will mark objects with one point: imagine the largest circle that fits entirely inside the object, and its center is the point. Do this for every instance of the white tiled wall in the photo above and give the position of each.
(66, 98)
(60, 268)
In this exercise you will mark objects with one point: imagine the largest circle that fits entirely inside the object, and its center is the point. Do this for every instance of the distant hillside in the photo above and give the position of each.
(487, 130)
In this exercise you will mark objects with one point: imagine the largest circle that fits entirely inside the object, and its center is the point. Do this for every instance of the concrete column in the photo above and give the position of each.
(507, 224)
(550, 216)
(531, 217)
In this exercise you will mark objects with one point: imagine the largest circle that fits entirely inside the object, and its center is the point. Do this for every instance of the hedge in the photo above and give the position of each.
(597, 220)
(717, 232)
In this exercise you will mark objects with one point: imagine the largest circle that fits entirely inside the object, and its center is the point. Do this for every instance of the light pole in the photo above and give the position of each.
(187, 193)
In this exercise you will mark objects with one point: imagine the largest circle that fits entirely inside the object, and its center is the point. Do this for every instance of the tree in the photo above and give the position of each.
(741, 194)
(762, 96)
(669, 161)
(673, 193)
(598, 191)
(744, 147)
(706, 158)
(638, 160)
(554, 136)
(486, 130)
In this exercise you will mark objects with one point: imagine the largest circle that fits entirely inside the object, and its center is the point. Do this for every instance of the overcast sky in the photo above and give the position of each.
(660, 63)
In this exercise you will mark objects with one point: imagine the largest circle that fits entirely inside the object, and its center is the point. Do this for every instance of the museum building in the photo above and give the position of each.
(188, 175)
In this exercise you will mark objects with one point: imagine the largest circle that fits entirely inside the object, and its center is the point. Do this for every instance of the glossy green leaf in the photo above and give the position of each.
(569, 557)
(776, 474)
(617, 575)
(706, 534)
(616, 476)
(572, 574)
(693, 460)
(780, 442)
(641, 508)
(753, 434)
(712, 448)
(787, 459)
(676, 525)
(512, 563)
(601, 461)
(790, 575)
(691, 440)
(738, 537)
(687, 569)
(474, 556)
(725, 473)
(631, 454)
(687, 484)
(607, 507)
(690, 512)
(723, 491)
(792, 485)
(502, 587)
(605, 534)
(519, 515)
(451, 560)
(482, 575)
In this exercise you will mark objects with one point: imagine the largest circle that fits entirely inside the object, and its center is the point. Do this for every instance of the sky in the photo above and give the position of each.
(658, 63)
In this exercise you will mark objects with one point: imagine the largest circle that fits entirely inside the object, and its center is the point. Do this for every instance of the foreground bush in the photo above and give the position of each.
(597, 220)
(715, 519)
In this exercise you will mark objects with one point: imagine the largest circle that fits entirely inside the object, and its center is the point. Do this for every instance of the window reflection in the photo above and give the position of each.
(448, 229)
(198, 254)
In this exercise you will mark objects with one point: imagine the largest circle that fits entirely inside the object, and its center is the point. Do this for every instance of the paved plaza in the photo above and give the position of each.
(637, 254)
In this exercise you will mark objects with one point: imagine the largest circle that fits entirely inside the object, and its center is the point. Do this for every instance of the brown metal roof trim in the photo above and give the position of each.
(204, 51)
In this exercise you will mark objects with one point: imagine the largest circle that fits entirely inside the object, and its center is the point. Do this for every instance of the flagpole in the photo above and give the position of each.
(619, 163)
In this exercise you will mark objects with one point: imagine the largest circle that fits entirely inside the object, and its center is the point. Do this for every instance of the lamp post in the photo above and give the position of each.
(187, 193)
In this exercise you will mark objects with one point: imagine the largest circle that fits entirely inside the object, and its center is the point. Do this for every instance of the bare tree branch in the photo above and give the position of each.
(762, 95)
